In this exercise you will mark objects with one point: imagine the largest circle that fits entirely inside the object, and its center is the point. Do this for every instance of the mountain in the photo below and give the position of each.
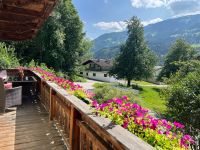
(159, 36)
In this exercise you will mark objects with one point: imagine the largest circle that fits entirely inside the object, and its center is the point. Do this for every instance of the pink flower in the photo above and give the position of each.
(110, 109)
(95, 103)
(125, 97)
(139, 114)
(119, 101)
(136, 106)
(186, 140)
(128, 104)
(168, 126)
(110, 101)
(178, 125)
(125, 124)
(154, 123)
(160, 132)
(102, 106)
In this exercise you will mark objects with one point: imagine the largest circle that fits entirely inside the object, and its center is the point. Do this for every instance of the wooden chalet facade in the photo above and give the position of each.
(98, 69)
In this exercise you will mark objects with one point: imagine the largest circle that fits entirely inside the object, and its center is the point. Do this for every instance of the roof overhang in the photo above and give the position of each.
(87, 62)
(21, 19)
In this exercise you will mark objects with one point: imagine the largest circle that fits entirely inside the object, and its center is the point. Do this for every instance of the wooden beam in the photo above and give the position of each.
(22, 11)
(25, 2)
(17, 36)
(8, 26)
(27, 10)
(13, 17)
(21, 19)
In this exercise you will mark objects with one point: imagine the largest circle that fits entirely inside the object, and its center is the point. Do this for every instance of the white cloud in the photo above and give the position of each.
(184, 7)
(117, 26)
(156, 20)
(111, 26)
(148, 3)
(158, 3)
(177, 7)
(186, 14)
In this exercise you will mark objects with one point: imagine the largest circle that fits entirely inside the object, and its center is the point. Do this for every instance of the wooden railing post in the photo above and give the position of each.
(51, 110)
(74, 130)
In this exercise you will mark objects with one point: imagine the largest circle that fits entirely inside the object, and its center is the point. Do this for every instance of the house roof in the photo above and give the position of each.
(21, 19)
(104, 63)
(157, 68)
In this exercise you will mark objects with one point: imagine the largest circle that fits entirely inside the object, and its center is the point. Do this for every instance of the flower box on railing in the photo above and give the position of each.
(80, 126)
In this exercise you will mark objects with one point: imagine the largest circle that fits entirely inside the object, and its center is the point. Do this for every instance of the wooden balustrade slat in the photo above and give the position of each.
(74, 130)
(92, 140)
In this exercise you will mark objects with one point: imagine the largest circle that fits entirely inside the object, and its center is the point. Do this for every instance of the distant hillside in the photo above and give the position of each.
(158, 36)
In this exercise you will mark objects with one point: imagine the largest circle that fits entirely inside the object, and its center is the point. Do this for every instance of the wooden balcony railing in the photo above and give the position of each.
(80, 128)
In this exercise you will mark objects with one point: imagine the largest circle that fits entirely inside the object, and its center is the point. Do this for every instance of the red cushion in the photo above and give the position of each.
(8, 86)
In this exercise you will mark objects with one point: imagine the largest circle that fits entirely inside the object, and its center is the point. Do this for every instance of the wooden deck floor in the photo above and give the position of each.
(28, 127)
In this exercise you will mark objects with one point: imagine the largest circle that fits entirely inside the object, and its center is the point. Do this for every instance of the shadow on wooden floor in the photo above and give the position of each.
(28, 127)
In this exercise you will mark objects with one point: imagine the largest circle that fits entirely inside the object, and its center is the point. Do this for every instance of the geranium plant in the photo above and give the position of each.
(71, 87)
(159, 133)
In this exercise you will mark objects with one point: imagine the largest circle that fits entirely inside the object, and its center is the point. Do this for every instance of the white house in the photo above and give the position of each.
(97, 69)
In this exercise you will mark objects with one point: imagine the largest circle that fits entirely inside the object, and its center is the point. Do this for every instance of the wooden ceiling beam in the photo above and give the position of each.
(19, 10)
(19, 24)
(26, 2)
(22, 10)
(13, 17)
(16, 27)
(21, 19)
(14, 37)
(18, 33)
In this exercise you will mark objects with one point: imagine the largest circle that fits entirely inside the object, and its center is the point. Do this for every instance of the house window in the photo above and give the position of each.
(94, 74)
(105, 75)
(86, 74)
(81, 73)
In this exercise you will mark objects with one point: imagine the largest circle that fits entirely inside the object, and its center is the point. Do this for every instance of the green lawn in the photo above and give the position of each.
(142, 83)
(150, 98)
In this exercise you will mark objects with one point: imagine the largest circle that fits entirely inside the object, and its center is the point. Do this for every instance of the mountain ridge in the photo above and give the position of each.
(159, 36)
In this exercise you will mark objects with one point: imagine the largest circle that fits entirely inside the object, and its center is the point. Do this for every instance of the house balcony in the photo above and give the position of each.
(50, 118)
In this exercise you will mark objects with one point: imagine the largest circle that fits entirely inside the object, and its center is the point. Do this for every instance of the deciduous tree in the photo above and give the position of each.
(180, 51)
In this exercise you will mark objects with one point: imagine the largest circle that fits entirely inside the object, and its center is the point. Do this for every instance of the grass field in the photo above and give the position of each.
(148, 97)
(141, 83)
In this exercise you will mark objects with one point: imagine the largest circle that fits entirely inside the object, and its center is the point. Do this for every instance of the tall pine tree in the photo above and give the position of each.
(135, 60)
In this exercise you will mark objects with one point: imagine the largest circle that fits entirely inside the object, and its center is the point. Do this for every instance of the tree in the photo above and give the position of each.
(135, 60)
(180, 51)
(7, 57)
(183, 94)
(60, 43)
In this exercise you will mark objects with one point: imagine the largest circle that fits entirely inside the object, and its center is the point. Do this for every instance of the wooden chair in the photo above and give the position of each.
(9, 97)
(3, 74)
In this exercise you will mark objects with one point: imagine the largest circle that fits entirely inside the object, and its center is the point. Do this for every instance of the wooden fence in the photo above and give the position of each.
(80, 128)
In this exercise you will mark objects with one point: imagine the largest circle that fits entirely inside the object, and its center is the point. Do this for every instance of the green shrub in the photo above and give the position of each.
(183, 96)
(7, 57)
(32, 63)
(136, 87)
(105, 91)
(76, 78)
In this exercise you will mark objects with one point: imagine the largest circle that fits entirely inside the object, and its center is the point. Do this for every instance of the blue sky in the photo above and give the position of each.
(104, 16)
